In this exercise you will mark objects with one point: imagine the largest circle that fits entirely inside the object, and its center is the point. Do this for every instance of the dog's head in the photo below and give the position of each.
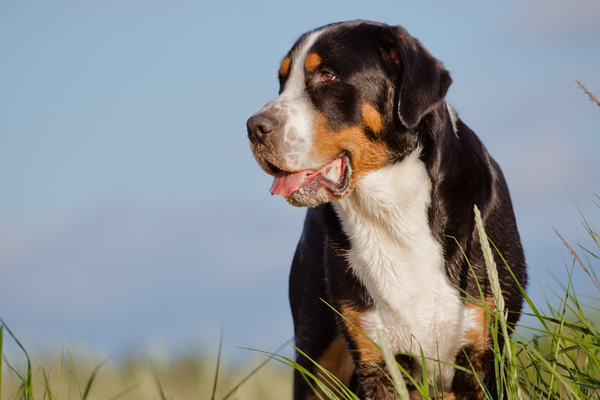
(350, 101)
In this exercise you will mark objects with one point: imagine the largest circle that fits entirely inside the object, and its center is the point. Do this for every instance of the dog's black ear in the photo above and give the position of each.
(421, 79)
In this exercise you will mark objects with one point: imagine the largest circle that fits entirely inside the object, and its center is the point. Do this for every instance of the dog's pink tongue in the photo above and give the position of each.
(286, 183)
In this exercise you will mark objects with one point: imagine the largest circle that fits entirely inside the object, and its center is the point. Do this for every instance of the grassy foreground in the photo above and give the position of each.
(556, 357)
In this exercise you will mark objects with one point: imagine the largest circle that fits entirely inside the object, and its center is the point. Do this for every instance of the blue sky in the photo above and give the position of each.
(131, 209)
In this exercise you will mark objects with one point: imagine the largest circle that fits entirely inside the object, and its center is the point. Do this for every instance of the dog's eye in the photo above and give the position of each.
(327, 77)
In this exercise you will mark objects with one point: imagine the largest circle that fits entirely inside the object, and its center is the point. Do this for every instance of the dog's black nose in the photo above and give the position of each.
(259, 126)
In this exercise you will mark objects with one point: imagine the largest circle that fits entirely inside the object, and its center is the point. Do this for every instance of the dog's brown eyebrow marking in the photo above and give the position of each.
(312, 61)
(372, 118)
(284, 68)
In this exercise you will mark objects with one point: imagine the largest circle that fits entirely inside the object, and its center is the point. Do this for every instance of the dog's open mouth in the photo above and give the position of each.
(334, 177)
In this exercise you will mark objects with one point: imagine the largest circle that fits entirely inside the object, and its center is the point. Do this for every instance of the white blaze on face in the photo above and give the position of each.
(296, 111)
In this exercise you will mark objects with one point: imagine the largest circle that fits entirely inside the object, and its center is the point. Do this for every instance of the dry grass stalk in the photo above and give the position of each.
(390, 361)
(592, 98)
(576, 256)
(490, 263)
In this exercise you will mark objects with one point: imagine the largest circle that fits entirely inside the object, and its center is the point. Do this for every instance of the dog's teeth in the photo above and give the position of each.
(333, 174)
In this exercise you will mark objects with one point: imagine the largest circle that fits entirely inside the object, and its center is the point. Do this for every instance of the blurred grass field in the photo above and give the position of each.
(180, 378)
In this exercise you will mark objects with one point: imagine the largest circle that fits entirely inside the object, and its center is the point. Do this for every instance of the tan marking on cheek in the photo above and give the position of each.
(480, 336)
(365, 155)
(368, 353)
(284, 68)
(312, 61)
(336, 360)
(372, 118)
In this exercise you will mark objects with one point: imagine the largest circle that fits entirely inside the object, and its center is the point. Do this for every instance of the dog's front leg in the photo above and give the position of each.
(468, 386)
(373, 384)
(371, 371)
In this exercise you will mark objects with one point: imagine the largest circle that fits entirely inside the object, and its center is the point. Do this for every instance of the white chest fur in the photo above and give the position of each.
(401, 264)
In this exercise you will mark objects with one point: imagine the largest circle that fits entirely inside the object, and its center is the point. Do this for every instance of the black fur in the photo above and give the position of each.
(386, 67)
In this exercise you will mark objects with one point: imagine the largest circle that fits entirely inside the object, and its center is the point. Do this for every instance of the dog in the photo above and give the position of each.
(361, 134)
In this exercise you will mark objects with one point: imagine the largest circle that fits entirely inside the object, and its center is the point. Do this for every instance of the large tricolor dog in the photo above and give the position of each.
(361, 134)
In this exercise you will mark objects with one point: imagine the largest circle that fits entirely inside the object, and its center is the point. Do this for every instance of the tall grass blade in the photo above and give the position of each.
(15, 371)
(479, 381)
(157, 381)
(28, 384)
(124, 392)
(23, 388)
(574, 254)
(501, 312)
(255, 370)
(91, 380)
(60, 369)
(214, 392)
(1, 341)
(22, 392)
(76, 377)
(390, 361)
(340, 388)
(47, 391)
(490, 263)
(591, 96)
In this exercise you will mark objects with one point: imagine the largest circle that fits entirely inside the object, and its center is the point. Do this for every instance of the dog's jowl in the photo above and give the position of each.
(361, 134)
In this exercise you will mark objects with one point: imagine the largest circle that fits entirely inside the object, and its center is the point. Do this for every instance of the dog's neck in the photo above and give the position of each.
(388, 196)
(386, 220)
(400, 263)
